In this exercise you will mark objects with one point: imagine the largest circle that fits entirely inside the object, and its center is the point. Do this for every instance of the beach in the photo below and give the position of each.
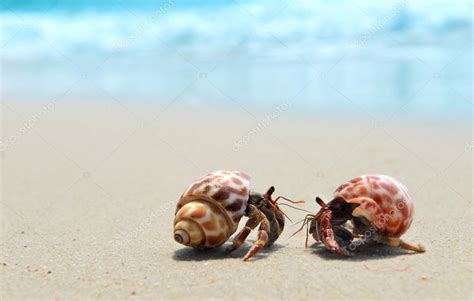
(111, 109)
(90, 189)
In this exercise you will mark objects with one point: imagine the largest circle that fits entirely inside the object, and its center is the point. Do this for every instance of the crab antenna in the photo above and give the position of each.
(294, 224)
(320, 202)
(288, 200)
(274, 206)
(300, 209)
(307, 234)
(286, 216)
(306, 219)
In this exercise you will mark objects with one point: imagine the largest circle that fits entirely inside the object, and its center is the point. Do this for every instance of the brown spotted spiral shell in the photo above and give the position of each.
(209, 211)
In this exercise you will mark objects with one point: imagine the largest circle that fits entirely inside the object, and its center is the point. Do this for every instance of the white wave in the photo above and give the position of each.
(308, 26)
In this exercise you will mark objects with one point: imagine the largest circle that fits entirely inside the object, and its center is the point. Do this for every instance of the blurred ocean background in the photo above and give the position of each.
(410, 58)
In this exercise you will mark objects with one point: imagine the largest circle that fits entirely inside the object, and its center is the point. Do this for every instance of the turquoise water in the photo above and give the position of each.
(322, 55)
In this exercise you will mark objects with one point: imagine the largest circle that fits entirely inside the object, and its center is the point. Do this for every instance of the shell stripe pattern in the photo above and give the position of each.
(216, 227)
(227, 190)
(393, 208)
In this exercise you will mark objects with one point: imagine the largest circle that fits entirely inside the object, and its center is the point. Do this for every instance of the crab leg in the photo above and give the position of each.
(309, 218)
(252, 222)
(262, 236)
(275, 226)
(262, 240)
(255, 217)
(326, 233)
(239, 238)
(397, 242)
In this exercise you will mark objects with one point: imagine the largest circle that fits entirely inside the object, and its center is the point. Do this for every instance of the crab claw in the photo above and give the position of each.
(327, 234)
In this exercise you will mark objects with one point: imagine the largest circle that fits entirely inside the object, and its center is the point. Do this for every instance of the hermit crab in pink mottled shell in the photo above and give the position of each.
(371, 208)
(209, 211)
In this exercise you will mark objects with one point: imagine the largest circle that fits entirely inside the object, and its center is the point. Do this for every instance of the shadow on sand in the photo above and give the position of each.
(367, 251)
(190, 254)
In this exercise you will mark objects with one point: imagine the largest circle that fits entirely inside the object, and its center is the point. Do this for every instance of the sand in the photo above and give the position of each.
(88, 196)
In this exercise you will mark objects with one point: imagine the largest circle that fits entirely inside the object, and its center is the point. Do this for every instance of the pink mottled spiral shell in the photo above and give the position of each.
(392, 202)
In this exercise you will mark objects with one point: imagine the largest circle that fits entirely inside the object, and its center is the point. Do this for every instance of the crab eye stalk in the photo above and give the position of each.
(320, 202)
(269, 192)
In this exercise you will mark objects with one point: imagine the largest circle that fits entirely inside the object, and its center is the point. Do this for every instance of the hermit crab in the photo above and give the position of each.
(370, 207)
(209, 211)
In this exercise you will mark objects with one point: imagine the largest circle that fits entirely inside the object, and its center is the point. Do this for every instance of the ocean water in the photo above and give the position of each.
(318, 55)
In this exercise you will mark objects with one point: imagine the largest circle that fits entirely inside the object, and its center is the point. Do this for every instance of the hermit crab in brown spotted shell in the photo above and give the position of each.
(209, 211)
(371, 207)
